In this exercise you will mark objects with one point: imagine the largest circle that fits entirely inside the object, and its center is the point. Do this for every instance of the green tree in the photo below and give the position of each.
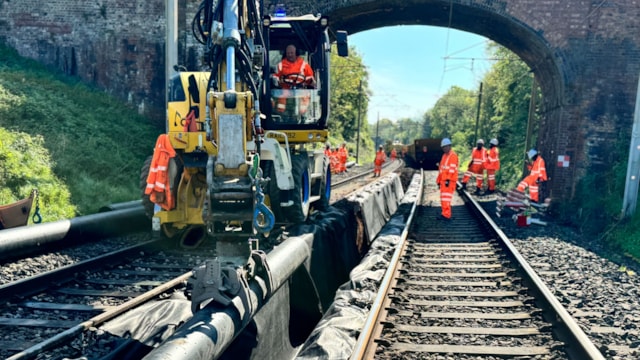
(349, 101)
(505, 112)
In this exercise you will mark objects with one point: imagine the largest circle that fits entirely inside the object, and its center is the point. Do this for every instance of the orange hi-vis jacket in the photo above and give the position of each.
(158, 182)
(538, 169)
(478, 158)
(286, 67)
(448, 168)
(381, 157)
(343, 155)
(493, 159)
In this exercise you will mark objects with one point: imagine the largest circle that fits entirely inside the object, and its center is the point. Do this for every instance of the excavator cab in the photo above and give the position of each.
(298, 104)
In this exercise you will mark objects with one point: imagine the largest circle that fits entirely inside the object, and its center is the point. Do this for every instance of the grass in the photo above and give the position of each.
(92, 144)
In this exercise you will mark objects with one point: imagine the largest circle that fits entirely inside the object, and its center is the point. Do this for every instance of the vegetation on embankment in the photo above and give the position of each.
(81, 148)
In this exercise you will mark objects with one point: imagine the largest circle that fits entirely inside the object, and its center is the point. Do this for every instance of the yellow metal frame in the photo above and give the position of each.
(301, 136)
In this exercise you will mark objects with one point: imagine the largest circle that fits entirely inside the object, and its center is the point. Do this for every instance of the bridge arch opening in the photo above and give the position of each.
(530, 46)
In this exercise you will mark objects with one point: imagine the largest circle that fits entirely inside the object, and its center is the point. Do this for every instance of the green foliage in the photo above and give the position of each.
(349, 102)
(626, 236)
(25, 164)
(603, 212)
(98, 143)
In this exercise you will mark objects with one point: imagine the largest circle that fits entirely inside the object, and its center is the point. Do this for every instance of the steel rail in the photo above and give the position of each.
(364, 173)
(580, 344)
(33, 284)
(365, 337)
(72, 333)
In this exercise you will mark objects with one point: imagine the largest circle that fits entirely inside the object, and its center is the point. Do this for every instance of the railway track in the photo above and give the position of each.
(459, 289)
(51, 310)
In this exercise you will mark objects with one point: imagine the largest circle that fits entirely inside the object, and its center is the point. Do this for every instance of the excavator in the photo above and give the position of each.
(232, 164)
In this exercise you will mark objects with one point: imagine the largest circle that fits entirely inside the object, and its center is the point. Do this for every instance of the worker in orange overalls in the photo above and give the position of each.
(335, 161)
(292, 73)
(343, 155)
(158, 182)
(381, 157)
(327, 150)
(492, 164)
(447, 178)
(476, 166)
(537, 175)
(394, 154)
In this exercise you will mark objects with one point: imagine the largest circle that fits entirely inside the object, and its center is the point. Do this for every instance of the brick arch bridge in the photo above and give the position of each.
(585, 56)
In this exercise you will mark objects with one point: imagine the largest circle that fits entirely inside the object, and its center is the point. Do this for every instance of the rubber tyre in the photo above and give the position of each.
(325, 185)
(272, 190)
(298, 212)
(144, 174)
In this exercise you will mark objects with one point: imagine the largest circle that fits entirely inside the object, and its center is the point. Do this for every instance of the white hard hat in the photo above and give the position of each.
(445, 142)
(480, 141)
(531, 153)
(494, 142)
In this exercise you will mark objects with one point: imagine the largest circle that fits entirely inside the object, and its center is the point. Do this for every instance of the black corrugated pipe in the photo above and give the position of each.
(212, 329)
(31, 239)
(120, 206)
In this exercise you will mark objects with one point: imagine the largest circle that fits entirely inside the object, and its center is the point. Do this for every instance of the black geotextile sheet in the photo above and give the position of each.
(377, 202)
(337, 333)
(334, 254)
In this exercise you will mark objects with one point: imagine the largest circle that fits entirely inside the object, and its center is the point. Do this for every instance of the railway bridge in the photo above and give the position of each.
(585, 56)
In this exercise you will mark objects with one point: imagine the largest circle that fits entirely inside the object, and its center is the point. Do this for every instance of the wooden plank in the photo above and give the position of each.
(460, 283)
(450, 259)
(446, 246)
(468, 330)
(612, 330)
(463, 275)
(453, 266)
(463, 293)
(65, 307)
(160, 266)
(475, 350)
(454, 253)
(486, 316)
(37, 322)
(15, 345)
(124, 282)
(500, 304)
(146, 272)
(91, 292)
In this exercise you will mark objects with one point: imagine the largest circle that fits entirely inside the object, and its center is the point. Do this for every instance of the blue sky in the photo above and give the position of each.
(411, 67)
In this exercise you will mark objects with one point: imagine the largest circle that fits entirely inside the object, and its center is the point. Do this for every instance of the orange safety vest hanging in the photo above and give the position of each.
(158, 182)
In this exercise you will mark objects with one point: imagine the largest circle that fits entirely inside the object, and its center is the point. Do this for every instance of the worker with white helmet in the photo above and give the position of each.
(447, 178)
(537, 175)
(476, 166)
(492, 165)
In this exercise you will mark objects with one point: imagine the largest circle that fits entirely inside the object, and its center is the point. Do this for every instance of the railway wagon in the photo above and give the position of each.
(415, 157)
